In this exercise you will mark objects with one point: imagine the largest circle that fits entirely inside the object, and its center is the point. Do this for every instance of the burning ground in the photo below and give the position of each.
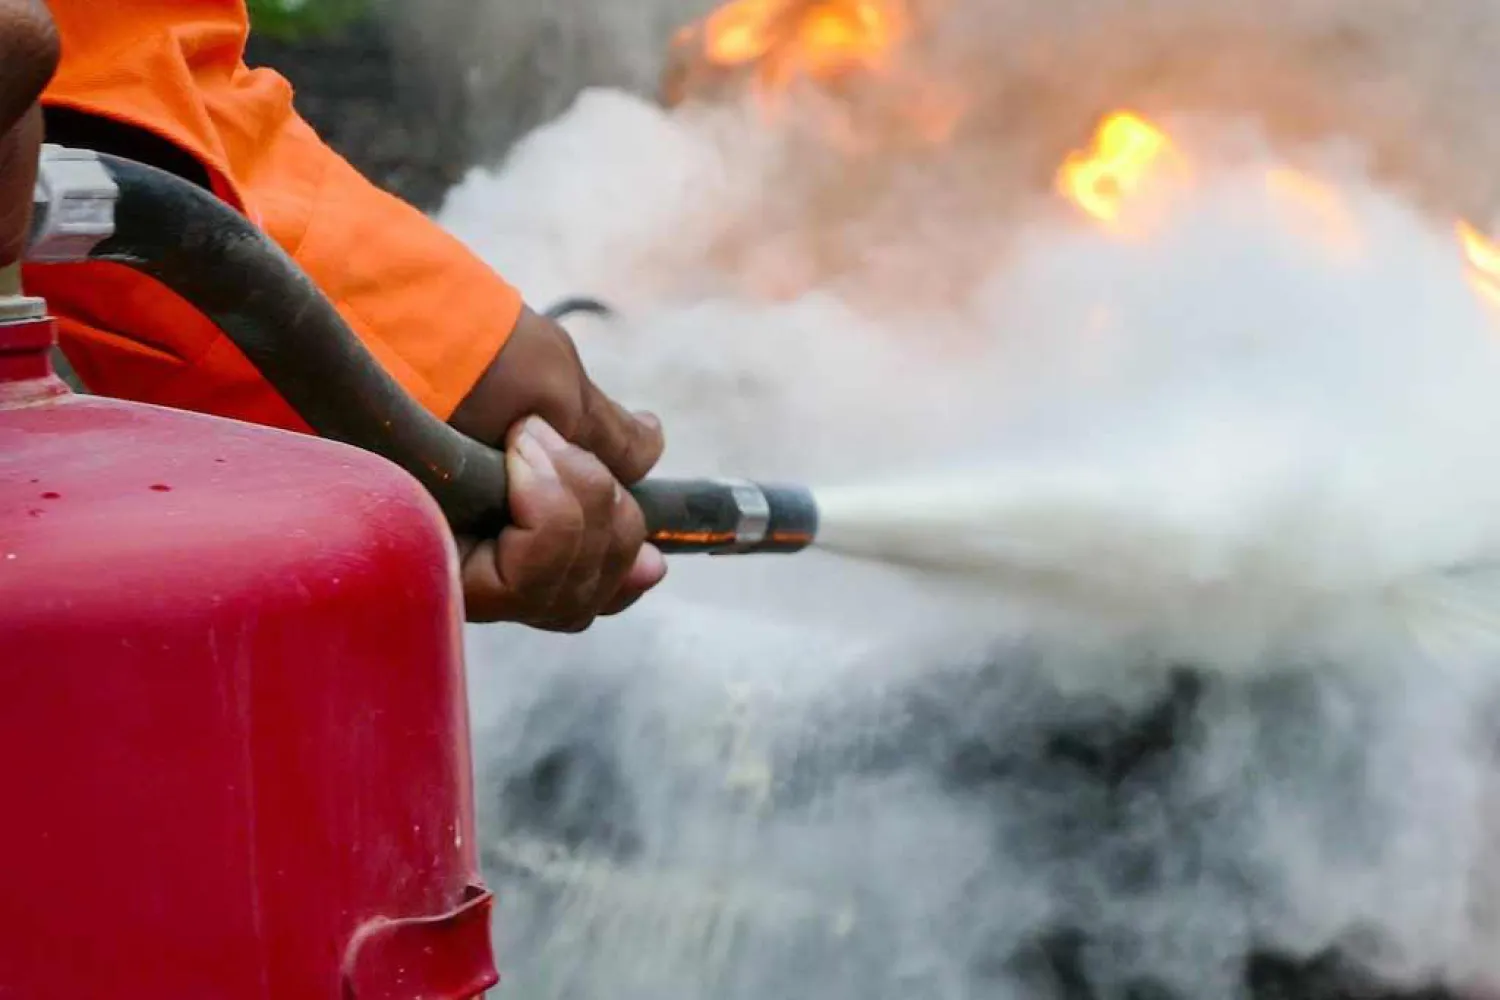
(1213, 284)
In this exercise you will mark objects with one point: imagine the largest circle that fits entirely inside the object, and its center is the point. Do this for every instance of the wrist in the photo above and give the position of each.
(519, 381)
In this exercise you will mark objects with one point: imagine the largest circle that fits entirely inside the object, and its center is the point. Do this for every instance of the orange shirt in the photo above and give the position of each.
(432, 313)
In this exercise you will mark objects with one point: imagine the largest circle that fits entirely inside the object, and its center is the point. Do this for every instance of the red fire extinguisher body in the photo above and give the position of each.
(232, 712)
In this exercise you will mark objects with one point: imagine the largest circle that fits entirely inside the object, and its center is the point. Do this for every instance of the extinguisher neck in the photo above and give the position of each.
(15, 305)
(27, 336)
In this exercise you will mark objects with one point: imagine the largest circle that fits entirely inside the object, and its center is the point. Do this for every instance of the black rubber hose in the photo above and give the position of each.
(210, 255)
(578, 304)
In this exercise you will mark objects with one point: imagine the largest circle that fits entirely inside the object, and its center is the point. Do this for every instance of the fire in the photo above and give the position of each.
(739, 33)
(1482, 259)
(1130, 164)
(783, 40)
(1126, 150)
(850, 74)
(837, 36)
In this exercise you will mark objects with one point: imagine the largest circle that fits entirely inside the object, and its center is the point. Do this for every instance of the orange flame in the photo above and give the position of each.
(1482, 257)
(1126, 149)
(817, 39)
(837, 36)
(741, 32)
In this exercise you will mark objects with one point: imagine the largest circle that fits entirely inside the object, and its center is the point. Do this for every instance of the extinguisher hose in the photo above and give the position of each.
(206, 252)
(202, 249)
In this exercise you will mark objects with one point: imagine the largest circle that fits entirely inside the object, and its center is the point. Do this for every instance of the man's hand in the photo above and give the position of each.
(28, 57)
(575, 549)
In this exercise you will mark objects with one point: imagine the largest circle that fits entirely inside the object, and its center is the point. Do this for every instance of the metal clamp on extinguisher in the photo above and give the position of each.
(72, 212)
(94, 206)
(73, 209)
(26, 334)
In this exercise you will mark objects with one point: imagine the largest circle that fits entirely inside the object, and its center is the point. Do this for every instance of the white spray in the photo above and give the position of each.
(1230, 414)
(1227, 448)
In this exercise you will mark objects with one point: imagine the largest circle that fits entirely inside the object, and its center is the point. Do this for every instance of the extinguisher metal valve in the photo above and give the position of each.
(73, 209)
(15, 305)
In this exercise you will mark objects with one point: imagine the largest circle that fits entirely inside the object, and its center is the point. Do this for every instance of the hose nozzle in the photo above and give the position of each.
(727, 516)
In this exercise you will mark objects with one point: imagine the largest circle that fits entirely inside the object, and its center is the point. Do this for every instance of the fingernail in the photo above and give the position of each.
(650, 419)
(652, 562)
(545, 434)
(534, 456)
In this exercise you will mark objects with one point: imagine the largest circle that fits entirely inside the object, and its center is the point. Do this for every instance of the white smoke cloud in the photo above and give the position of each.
(1227, 448)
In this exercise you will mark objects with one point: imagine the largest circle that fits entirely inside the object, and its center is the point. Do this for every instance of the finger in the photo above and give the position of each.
(465, 544)
(548, 522)
(485, 597)
(595, 489)
(520, 574)
(580, 472)
(29, 52)
(648, 570)
(18, 166)
(627, 536)
(628, 444)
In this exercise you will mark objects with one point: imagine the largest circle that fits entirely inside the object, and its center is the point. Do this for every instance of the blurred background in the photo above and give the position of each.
(414, 92)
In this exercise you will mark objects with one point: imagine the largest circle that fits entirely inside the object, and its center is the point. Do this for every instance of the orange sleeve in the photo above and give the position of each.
(428, 309)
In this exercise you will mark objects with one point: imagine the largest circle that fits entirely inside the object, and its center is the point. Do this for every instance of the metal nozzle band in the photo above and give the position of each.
(754, 510)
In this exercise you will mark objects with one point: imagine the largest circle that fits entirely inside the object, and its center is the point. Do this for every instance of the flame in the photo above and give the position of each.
(740, 33)
(1125, 151)
(1128, 151)
(783, 40)
(1482, 259)
(837, 36)
(850, 72)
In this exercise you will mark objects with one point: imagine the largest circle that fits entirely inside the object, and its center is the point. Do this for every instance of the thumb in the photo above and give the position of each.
(628, 444)
(28, 56)
(19, 148)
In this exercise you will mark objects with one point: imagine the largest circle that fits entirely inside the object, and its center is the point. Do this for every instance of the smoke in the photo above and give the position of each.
(1225, 731)
(1270, 404)
(498, 68)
